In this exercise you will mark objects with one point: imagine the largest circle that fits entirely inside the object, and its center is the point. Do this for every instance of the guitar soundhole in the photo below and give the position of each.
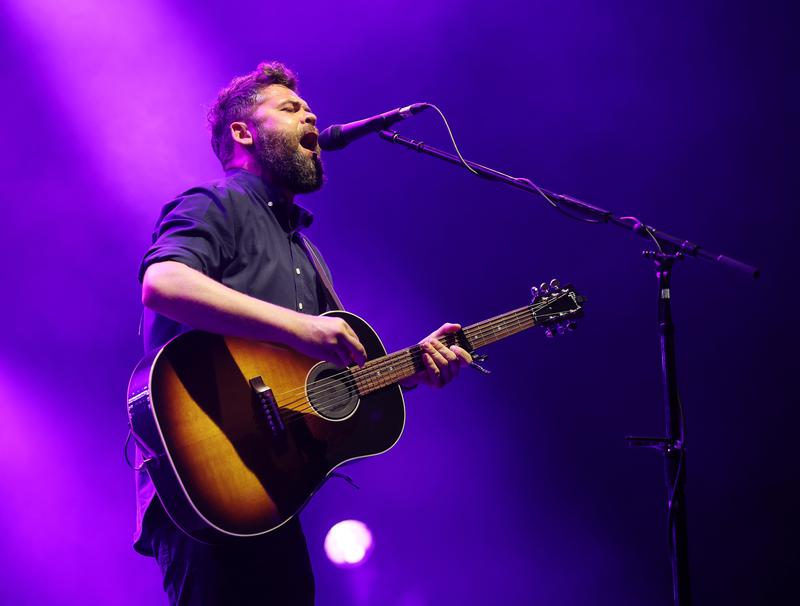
(331, 391)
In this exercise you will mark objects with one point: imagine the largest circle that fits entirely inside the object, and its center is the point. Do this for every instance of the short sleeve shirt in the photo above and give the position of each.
(238, 232)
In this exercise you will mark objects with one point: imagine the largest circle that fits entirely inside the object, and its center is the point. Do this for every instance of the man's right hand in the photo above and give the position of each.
(330, 339)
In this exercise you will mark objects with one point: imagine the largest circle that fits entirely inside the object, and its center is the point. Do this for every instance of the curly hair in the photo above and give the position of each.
(238, 100)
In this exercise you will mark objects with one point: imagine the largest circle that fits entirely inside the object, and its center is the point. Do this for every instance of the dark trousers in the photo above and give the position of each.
(271, 570)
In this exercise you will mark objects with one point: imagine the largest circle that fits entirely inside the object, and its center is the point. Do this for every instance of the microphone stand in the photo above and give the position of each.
(668, 250)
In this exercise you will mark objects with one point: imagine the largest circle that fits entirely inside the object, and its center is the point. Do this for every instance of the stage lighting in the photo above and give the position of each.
(348, 543)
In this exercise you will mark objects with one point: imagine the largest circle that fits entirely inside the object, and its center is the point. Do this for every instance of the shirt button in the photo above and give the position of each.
(299, 306)
(297, 270)
(269, 203)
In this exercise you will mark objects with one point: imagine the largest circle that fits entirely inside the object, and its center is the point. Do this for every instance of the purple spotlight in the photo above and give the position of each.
(348, 543)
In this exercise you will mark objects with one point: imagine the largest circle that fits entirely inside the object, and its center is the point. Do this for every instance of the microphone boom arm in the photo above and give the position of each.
(593, 213)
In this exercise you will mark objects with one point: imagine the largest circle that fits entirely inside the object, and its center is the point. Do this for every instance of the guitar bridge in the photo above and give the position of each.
(267, 406)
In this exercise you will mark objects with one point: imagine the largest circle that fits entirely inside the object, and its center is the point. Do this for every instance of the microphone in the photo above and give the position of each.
(338, 136)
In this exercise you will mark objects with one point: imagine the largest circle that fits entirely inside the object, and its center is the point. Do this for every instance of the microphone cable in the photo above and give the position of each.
(524, 180)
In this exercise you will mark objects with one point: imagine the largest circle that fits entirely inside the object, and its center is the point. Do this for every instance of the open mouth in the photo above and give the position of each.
(309, 141)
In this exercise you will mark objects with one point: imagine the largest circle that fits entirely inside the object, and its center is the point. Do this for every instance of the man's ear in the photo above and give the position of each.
(241, 133)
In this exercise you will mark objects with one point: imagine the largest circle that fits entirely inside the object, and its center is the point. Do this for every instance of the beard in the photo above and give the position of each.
(286, 163)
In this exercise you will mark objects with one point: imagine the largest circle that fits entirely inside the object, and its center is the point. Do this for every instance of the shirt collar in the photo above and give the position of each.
(298, 217)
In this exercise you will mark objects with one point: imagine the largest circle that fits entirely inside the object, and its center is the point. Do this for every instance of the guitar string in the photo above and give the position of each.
(404, 360)
(413, 355)
(482, 327)
(380, 365)
(408, 361)
(411, 362)
(327, 399)
(399, 363)
(292, 413)
(370, 372)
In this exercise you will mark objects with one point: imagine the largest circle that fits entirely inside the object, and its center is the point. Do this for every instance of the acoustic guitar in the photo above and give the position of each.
(237, 435)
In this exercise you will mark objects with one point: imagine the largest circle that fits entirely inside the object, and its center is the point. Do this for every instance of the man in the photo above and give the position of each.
(229, 258)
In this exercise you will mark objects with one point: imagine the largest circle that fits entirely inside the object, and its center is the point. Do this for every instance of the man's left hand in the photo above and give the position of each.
(442, 364)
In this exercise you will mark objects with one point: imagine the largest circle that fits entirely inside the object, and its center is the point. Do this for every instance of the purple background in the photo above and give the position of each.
(509, 489)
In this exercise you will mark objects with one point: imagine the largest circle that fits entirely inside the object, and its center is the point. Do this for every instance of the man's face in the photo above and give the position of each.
(286, 142)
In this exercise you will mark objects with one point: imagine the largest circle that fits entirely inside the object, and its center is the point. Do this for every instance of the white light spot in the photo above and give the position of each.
(348, 543)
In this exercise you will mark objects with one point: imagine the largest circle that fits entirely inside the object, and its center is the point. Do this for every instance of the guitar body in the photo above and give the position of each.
(237, 435)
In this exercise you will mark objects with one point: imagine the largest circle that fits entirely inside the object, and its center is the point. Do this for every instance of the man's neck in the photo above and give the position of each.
(251, 166)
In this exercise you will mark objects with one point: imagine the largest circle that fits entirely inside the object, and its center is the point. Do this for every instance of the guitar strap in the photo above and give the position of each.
(333, 300)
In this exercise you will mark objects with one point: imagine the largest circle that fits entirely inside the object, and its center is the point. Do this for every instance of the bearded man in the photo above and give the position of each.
(228, 257)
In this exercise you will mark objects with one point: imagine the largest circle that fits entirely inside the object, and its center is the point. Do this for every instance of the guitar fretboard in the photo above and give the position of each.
(393, 368)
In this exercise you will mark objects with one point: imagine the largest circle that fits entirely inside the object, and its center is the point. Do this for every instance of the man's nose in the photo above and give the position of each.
(310, 118)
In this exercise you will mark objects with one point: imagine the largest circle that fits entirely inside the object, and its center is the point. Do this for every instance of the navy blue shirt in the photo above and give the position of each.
(238, 232)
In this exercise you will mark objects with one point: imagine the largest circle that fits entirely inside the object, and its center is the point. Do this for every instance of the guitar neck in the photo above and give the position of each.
(393, 368)
(498, 328)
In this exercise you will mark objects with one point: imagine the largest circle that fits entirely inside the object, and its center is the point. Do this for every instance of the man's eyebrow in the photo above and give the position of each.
(297, 102)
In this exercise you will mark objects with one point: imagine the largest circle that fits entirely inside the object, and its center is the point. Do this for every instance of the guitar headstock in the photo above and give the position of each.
(556, 307)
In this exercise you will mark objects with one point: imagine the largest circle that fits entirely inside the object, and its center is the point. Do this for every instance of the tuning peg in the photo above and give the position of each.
(548, 332)
(561, 327)
(554, 284)
(534, 291)
(544, 288)
(572, 325)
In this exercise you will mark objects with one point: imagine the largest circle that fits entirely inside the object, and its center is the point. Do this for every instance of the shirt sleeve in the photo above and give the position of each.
(197, 230)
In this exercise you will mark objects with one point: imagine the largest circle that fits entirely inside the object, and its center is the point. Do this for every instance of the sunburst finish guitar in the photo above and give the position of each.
(237, 435)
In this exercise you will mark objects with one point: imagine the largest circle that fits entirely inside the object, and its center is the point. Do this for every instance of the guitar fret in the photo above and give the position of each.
(395, 367)
(494, 329)
(392, 368)
(385, 371)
